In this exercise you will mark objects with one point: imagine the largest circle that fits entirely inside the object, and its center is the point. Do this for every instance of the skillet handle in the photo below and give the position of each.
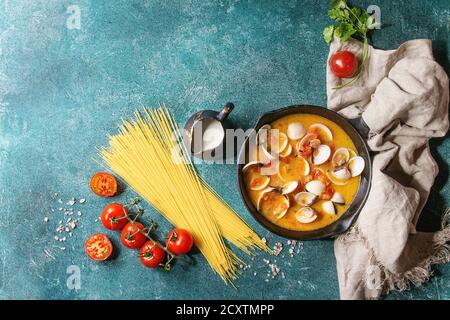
(360, 126)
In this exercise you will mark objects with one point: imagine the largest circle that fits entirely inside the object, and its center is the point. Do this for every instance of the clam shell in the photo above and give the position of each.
(334, 180)
(289, 187)
(342, 173)
(328, 208)
(264, 155)
(261, 195)
(305, 140)
(337, 198)
(323, 131)
(278, 141)
(251, 164)
(282, 212)
(321, 154)
(296, 131)
(264, 182)
(286, 152)
(306, 215)
(271, 168)
(316, 187)
(340, 157)
(306, 164)
(356, 166)
(305, 198)
(263, 134)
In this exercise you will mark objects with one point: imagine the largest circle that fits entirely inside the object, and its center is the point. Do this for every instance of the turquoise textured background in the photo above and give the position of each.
(62, 90)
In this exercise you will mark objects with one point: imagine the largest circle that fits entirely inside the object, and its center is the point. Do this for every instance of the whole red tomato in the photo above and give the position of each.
(114, 216)
(179, 241)
(131, 237)
(343, 64)
(151, 255)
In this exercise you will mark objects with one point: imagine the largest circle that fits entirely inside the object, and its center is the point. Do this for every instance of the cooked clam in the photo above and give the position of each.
(356, 166)
(251, 164)
(286, 152)
(342, 173)
(261, 195)
(289, 187)
(263, 134)
(296, 130)
(264, 156)
(258, 182)
(278, 141)
(305, 198)
(271, 168)
(275, 203)
(328, 208)
(316, 187)
(334, 180)
(305, 141)
(281, 207)
(321, 154)
(340, 157)
(322, 130)
(306, 215)
(337, 198)
(352, 153)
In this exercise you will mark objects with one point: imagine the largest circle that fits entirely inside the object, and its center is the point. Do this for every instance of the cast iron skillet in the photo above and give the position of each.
(351, 127)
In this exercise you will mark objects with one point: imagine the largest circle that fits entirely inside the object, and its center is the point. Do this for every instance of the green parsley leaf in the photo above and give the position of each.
(344, 31)
(328, 34)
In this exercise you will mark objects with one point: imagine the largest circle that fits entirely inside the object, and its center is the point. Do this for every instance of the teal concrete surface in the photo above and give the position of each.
(63, 89)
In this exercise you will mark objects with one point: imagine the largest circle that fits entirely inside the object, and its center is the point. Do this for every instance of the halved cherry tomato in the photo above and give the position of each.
(131, 237)
(103, 184)
(343, 64)
(179, 241)
(151, 255)
(114, 216)
(98, 247)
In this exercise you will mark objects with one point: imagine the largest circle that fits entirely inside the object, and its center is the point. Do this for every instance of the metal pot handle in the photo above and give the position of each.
(360, 126)
(225, 112)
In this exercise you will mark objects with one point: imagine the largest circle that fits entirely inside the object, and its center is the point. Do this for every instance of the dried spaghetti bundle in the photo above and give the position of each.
(149, 155)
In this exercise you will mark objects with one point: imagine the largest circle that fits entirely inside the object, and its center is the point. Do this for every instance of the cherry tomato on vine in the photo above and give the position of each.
(103, 184)
(151, 255)
(131, 237)
(343, 64)
(98, 247)
(179, 241)
(114, 216)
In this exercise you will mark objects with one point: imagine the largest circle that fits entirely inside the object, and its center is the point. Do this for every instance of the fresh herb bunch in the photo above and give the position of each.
(351, 22)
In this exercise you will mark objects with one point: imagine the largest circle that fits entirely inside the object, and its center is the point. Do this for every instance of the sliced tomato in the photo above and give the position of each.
(103, 184)
(98, 247)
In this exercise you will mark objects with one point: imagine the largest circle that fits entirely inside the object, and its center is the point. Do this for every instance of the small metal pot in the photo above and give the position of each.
(192, 131)
(355, 128)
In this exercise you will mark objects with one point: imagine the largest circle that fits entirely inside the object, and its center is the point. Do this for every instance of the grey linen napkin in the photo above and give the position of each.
(402, 95)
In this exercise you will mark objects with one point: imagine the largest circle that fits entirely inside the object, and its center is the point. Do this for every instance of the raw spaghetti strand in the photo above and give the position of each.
(149, 155)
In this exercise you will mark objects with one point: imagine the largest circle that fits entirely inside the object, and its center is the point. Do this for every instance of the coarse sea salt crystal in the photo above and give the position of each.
(46, 219)
(83, 200)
